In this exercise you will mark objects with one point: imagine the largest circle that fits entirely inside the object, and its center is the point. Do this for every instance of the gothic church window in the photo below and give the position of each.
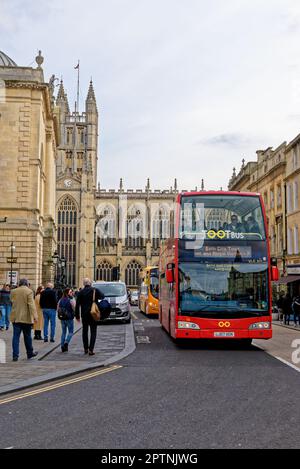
(104, 271)
(132, 274)
(67, 227)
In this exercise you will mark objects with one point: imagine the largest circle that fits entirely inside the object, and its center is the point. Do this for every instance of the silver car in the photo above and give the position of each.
(116, 294)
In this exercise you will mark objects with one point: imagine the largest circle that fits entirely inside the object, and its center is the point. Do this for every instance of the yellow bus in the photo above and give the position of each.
(149, 290)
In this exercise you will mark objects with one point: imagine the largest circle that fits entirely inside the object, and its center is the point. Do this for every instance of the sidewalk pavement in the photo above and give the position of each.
(290, 326)
(114, 342)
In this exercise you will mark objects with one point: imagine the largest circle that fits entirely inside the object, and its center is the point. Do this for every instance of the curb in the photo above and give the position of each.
(128, 349)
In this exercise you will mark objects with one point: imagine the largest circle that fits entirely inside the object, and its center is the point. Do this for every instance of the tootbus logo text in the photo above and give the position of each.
(222, 234)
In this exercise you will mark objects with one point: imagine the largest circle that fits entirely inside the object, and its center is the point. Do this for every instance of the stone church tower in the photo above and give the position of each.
(76, 185)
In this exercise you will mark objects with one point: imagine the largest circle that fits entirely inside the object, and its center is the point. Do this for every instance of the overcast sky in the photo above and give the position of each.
(185, 88)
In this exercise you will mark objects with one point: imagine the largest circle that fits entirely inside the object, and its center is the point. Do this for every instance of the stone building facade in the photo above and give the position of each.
(276, 175)
(28, 139)
(100, 229)
(51, 205)
(130, 227)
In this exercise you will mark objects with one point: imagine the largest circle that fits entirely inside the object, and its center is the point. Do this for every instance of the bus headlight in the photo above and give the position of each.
(260, 325)
(187, 325)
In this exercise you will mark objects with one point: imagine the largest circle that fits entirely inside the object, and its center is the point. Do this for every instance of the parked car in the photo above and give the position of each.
(134, 298)
(116, 294)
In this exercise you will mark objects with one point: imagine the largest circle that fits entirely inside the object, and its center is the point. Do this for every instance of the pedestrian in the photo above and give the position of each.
(84, 303)
(287, 308)
(65, 310)
(296, 309)
(5, 307)
(38, 327)
(279, 304)
(23, 316)
(48, 303)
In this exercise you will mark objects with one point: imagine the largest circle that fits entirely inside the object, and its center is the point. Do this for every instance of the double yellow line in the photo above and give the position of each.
(59, 385)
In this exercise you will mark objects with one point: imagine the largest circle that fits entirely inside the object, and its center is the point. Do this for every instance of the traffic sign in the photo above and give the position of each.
(13, 276)
(11, 260)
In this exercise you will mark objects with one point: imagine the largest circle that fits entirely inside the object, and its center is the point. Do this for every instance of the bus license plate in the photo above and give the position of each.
(224, 334)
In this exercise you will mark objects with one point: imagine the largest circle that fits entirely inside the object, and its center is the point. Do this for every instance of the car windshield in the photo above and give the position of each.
(221, 217)
(212, 289)
(112, 289)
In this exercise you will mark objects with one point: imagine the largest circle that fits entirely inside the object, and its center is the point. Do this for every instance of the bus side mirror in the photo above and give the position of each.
(274, 273)
(170, 273)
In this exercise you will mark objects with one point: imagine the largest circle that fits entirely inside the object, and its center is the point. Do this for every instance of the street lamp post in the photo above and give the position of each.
(62, 275)
(12, 249)
(55, 259)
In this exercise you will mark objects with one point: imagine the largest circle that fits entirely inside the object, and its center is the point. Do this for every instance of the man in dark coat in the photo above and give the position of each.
(287, 308)
(84, 303)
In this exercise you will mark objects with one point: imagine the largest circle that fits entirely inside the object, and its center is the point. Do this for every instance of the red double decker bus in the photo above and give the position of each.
(215, 274)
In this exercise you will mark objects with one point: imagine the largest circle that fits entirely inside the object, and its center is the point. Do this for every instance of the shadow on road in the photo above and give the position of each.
(206, 344)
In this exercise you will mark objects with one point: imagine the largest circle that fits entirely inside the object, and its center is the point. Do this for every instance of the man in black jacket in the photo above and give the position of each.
(48, 303)
(84, 303)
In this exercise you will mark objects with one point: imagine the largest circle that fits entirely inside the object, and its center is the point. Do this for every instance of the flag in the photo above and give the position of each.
(77, 66)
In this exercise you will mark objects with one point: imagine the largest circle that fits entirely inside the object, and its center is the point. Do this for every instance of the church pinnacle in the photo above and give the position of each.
(91, 93)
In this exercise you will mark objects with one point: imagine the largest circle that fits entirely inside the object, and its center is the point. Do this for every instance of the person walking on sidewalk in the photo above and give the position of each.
(65, 310)
(287, 308)
(38, 326)
(279, 304)
(84, 303)
(296, 309)
(5, 307)
(23, 316)
(48, 303)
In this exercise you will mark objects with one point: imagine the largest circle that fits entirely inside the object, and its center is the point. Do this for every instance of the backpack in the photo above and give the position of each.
(64, 312)
(105, 309)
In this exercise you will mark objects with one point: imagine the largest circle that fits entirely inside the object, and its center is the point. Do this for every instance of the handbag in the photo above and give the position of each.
(95, 312)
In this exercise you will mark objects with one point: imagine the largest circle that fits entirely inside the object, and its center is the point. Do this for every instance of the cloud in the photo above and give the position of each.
(183, 88)
(230, 139)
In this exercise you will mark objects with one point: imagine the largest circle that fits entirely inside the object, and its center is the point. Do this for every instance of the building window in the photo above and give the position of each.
(160, 227)
(296, 240)
(272, 198)
(279, 196)
(135, 228)
(107, 228)
(132, 274)
(296, 195)
(289, 198)
(273, 239)
(104, 271)
(280, 238)
(67, 218)
(289, 241)
(295, 158)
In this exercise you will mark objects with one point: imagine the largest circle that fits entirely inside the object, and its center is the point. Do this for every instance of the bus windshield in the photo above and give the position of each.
(226, 217)
(216, 289)
(154, 286)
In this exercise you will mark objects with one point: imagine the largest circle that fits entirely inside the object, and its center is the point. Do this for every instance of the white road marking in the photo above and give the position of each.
(282, 360)
(288, 363)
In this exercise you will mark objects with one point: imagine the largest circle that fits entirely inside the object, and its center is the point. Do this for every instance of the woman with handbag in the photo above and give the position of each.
(65, 311)
(86, 300)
